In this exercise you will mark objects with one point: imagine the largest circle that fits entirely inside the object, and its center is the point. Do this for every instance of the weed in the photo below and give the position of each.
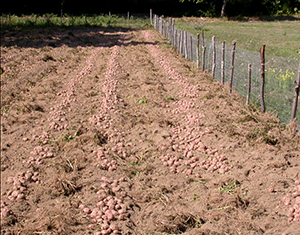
(135, 164)
(247, 118)
(195, 197)
(169, 97)
(142, 100)
(5, 110)
(69, 137)
(262, 133)
(284, 79)
(230, 188)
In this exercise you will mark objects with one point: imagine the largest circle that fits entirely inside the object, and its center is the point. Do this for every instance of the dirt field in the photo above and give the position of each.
(108, 131)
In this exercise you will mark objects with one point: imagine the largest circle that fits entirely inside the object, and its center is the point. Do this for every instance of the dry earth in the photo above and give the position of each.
(108, 131)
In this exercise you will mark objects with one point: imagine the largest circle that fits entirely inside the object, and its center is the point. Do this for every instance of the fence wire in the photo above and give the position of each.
(280, 72)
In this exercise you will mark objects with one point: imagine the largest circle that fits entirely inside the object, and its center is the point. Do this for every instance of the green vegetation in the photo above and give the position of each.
(52, 20)
(142, 100)
(282, 56)
(231, 187)
(280, 37)
(69, 137)
(169, 97)
(245, 7)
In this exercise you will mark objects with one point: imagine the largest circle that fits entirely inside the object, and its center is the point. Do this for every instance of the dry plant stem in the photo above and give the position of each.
(297, 87)
(262, 89)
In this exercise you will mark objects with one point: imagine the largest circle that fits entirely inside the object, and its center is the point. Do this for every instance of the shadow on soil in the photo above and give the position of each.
(71, 37)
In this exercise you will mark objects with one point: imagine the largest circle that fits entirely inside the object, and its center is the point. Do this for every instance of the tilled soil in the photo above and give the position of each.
(108, 131)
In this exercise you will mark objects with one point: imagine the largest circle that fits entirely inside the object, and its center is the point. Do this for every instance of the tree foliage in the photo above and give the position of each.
(246, 7)
(165, 7)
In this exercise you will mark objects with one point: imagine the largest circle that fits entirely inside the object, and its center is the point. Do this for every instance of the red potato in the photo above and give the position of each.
(86, 210)
(109, 215)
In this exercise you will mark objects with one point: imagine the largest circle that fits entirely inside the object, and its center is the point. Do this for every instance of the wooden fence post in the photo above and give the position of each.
(151, 17)
(203, 51)
(180, 41)
(185, 45)
(191, 39)
(232, 67)
(128, 17)
(213, 70)
(174, 34)
(166, 28)
(170, 30)
(198, 50)
(262, 87)
(249, 85)
(297, 87)
(223, 63)
(175, 37)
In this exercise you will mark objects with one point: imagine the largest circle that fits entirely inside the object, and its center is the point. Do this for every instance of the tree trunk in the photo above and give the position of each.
(223, 8)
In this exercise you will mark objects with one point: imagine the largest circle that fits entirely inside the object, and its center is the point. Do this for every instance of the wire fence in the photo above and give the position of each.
(280, 73)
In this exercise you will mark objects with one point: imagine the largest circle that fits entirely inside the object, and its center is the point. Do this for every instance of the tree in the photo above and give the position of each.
(269, 7)
(223, 8)
(202, 1)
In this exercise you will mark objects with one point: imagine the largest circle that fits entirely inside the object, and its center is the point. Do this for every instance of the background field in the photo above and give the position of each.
(281, 37)
(282, 56)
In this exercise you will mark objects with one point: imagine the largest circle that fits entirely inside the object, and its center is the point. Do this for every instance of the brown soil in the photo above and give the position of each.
(109, 131)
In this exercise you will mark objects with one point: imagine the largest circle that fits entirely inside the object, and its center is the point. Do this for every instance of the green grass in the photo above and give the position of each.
(282, 38)
(52, 20)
